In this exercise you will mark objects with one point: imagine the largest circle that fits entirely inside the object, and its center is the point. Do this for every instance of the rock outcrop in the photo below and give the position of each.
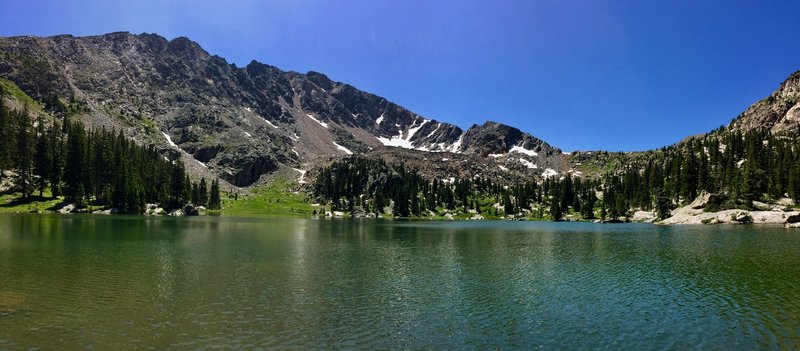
(704, 199)
(778, 112)
(689, 215)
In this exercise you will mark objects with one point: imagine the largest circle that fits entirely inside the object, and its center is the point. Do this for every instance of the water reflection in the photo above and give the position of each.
(152, 282)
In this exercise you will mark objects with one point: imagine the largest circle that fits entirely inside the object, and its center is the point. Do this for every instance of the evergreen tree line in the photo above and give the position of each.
(98, 167)
(372, 186)
(739, 168)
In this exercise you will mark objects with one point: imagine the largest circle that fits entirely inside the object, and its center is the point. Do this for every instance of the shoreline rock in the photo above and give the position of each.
(689, 215)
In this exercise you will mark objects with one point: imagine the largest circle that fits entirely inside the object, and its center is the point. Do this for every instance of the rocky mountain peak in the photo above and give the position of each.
(320, 80)
(778, 112)
(242, 123)
(187, 48)
(497, 138)
(790, 88)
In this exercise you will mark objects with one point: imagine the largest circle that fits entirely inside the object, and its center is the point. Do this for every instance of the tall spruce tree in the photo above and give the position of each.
(43, 157)
(214, 200)
(25, 152)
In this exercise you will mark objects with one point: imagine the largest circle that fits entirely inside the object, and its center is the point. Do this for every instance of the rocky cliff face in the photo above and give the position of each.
(778, 112)
(242, 123)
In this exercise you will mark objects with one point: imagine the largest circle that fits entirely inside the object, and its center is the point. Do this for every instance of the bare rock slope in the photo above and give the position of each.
(242, 123)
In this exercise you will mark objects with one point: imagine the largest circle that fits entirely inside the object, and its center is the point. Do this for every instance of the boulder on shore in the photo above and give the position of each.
(476, 217)
(190, 210)
(688, 215)
(792, 219)
(758, 205)
(704, 199)
(644, 216)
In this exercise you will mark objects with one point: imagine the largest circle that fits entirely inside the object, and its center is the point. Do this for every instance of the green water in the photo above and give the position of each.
(80, 282)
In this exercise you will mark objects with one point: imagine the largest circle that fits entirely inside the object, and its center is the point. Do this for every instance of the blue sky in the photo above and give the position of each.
(613, 75)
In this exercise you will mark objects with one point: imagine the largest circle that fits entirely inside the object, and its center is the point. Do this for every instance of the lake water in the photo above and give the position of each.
(109, 282)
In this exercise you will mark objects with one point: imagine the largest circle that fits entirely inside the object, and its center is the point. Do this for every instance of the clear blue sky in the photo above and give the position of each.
(614, 75)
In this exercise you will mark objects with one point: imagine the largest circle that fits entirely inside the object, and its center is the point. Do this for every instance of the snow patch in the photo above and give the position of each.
(523, 150)
(502, 168)
(169, 140)
(445, 159)
(297, 138)
(302, 172)
(318, 121)
(346, 150)
(496, 155)
(379, 120)
(434, 131)
(740, 163)
(269, 123)
(248, 134)
(457, 144)
(549, 172)
(404, 141)
(295, 152)
(528, 164)
(201, 163)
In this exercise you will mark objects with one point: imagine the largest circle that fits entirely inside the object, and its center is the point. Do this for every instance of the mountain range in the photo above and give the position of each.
(244, 124)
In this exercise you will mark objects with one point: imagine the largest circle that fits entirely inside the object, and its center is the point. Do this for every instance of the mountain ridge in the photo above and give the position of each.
(244, 123)
(201, 106)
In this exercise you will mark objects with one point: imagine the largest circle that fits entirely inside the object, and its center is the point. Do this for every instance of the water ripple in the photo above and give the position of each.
(84, 282)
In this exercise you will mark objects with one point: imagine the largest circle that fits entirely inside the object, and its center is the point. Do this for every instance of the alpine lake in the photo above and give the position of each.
(136, 282)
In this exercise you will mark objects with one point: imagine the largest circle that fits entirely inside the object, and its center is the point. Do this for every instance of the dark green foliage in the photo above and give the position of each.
(7, 137)
(43, 157)
(214, 200)
(742, 168)
(202, 190)
(96, 167)
(663, 205)
(738, 168)
(374, 185)
(24, 154)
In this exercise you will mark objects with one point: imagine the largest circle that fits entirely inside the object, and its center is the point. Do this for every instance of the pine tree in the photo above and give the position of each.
(214, 201)
(56, 146)
(75, 163)
(508, 206)
(25, 152)
(202, 189)
(179, 195)
(6, 134)
(43, 157)
(555, 210)
(663, 205)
